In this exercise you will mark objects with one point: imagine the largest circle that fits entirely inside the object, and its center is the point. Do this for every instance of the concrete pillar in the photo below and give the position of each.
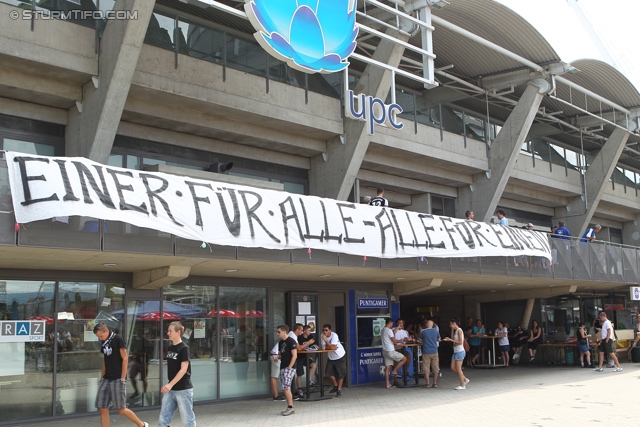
(596, 178)
(420, 203)
(483, 195)
(528, 309)
(631, 232)
(91, 131)
(332, 174)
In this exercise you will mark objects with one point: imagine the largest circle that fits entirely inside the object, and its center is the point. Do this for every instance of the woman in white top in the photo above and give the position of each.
(457, 338)
(503, 333)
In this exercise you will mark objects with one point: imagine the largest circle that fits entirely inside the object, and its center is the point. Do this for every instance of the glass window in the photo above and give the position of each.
(79, 362)
(243, 372)
(22, 361)
(443, 206)
(196, 306)
(28, 147)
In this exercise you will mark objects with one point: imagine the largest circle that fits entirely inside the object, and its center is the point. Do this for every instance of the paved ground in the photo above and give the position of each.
(517, 396)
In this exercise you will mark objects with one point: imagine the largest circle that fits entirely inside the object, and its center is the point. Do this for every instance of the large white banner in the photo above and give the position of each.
(235, 215)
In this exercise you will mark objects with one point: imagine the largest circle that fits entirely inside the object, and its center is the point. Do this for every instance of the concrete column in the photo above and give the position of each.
(420, 203)
(596, 178)
(528, 309)
(631, 232)
(90, 132)
(483, 195)
(332, 174)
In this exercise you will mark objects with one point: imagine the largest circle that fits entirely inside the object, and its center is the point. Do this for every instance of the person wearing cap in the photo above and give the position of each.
(590, 234)
(530, 227)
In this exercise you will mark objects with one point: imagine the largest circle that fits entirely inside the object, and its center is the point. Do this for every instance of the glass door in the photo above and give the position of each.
(146, 345)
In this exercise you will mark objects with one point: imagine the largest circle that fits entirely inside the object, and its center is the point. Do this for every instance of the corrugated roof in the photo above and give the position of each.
(606, 81)
(495, 23)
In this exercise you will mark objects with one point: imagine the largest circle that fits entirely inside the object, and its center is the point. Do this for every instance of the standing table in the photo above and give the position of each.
(492, 360)
(320, 375)
(415, 346)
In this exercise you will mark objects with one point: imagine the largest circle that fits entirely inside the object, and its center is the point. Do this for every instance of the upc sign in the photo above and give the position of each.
(373, 111)
(635, 293)
(373, 303)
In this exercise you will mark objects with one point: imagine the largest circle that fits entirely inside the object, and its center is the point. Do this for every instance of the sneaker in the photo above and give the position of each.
(514, 357)
(312, 383)
(334, 389)
(531, 359)
(296, 397)
(617, 370)
(134, 395)
(279, 399)
(288, 411)
(598, 369)
(339, 392)
(460, 388)
(466, 381)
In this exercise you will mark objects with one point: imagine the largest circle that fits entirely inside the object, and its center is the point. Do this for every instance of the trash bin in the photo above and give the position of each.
(635, 355)
(568, 357)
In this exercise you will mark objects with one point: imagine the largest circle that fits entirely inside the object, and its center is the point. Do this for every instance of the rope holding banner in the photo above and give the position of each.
(309, 252)
(364, 260)
(204, 245)
(16, 227)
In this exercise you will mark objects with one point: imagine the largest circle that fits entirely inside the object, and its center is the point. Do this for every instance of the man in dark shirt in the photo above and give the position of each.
(305, 340)
(379, 200)
(288, 351)
(178, 392)
(113, 385)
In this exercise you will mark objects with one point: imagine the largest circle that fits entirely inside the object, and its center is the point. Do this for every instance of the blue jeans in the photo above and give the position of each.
(181, 400)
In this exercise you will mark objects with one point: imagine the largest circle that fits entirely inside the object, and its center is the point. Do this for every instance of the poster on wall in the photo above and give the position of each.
(378, 324)
(199, 328)
(234, 215)
(12, 356)
(89, 336)
(311, 321)
(300, 319)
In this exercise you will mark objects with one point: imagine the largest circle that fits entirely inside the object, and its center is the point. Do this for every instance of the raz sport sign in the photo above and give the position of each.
(234, 215)
(22, 331)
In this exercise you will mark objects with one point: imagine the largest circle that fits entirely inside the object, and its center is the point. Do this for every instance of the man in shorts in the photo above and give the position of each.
(607, 344)
(337, 364)
(303, 332)
(288, 354)
(178, 392)
(113, 385)
(388, 351)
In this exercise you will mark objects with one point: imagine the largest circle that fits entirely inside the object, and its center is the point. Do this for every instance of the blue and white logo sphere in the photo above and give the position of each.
(310, 35)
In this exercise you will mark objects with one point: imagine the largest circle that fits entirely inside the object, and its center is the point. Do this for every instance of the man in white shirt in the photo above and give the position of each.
(337, 364)
(401, 334)
(389, 352)
(607, 344)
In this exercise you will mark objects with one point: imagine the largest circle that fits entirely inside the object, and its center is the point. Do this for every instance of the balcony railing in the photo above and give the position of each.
(572, 259)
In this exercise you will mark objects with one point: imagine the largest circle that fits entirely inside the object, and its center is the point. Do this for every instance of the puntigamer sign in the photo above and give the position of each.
(373, 303)
(235, 215)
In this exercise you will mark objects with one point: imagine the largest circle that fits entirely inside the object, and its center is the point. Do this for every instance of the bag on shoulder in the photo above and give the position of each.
(465, 345)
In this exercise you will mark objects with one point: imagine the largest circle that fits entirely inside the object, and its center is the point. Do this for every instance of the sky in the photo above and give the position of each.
(614, 20)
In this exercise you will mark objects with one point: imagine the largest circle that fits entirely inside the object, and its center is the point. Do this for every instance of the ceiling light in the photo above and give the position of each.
(399, 278)
(231, 270)
(493, 290)
(449, 290)
(551, 286)
(326, 275)
(461, 281)
(109, 264)
(509, 284)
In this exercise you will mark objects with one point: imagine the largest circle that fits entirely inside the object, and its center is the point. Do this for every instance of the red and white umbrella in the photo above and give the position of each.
(253, 313)
(223, 313)
(155, 316)
(48, 320)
